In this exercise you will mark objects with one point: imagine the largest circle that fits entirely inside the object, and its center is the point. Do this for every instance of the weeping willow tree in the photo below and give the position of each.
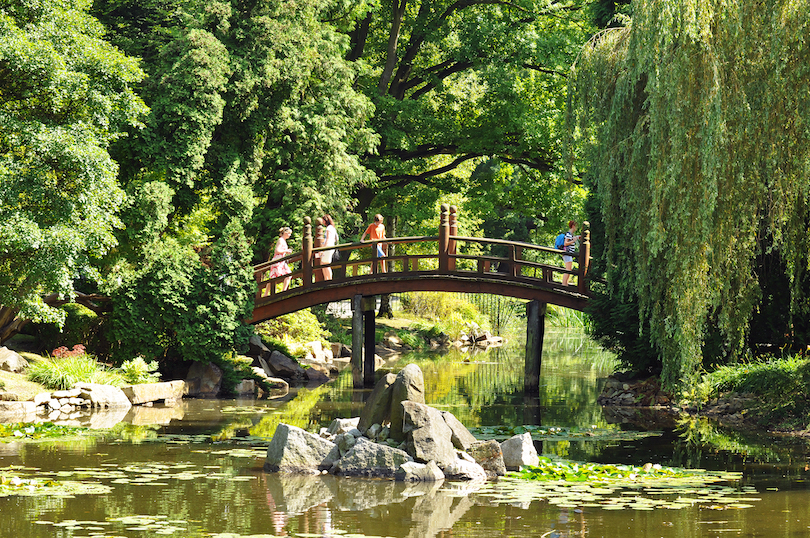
(695, 120)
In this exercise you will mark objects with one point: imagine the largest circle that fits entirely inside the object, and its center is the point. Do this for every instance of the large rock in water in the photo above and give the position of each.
(152, 392)
(518, 451)
(489, 456)
(462, 438)
(293, 450)
(103, 396)
(282, 366)
(371, 460)
(409, 385)
(419, 472)
(378, 407)
(203, 380)
(428, 437)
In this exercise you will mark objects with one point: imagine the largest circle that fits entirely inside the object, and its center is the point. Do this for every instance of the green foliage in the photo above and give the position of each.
(235, 368)
(302, 326)
(65, 95)
(63, 373)
(779, 384)
(449, 313)
(186, 305)
(136, 371)
(698, 169)
(81, 326)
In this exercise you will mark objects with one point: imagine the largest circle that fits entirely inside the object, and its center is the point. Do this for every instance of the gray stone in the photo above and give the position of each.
(104, 396)
(203, 380)
(342, 425)
(282, 366)
(293, 450)
(72, 393)
(153, 392)
(246, 387)
(518, 451)
(370, 460)
(378, 406)
(42, 398)
(314, 375)
(409, 385)
(11, 361)
(462, 438)
(412, 471)
(256, 347)
(345, 442)
(464, 469)
(488, 455)
(428, 437)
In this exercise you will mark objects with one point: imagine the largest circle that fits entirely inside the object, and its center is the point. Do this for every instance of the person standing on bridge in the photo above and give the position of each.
(569, 246)
(376, 232)
(330, 240)
(281, 268)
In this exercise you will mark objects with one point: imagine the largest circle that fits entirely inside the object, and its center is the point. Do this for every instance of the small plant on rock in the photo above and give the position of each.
(137, 371)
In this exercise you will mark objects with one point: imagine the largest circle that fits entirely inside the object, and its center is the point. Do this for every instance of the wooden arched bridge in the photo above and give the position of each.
(445, 262)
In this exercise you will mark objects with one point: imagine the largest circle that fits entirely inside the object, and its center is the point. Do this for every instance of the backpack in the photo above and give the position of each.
(559, 242)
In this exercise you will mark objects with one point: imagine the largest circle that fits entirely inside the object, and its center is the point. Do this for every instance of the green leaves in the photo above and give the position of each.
(65, 95)
(698, 168)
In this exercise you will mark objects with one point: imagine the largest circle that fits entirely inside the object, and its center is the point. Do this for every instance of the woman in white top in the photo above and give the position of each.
(331, 239)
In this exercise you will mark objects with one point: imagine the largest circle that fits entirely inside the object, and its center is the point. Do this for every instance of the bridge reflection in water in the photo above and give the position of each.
(445, 262)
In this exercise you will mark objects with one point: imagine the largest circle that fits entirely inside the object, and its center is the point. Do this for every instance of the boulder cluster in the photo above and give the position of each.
(398, 436)
(625, 393)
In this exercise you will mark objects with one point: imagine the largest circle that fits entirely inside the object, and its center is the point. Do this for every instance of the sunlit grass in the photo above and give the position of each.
(62, 373)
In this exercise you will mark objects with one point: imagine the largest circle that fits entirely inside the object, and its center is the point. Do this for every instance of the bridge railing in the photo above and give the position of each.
(444, 254)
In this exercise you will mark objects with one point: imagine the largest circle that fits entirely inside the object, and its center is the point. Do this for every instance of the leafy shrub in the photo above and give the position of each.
(137, 371)
(62, 373)
(81, 327)
(301, 326)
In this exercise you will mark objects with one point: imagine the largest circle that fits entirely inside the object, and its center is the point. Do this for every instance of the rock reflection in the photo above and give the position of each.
(430, 507)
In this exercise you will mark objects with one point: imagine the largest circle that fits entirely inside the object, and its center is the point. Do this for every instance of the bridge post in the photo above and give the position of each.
(584, 259)
(318, 241)
(306, 252)
(444, 239)
(357, 341)
(453, 221)
(363, 332)
(369, 333)
(535, 330)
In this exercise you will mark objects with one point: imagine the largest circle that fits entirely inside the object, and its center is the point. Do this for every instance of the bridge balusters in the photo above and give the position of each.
(318, 241)
(451, 247)
(306, 253)
(584, 258)
(444, 238)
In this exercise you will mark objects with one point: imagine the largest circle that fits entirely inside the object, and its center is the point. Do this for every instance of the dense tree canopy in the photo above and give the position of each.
(65, 95)
(696, 119)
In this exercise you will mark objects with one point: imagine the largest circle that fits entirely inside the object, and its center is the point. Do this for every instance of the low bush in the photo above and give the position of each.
(137, 371)
(780, 383)
(61, 373)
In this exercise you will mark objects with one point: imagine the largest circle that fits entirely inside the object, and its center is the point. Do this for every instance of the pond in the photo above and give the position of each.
(196, 470)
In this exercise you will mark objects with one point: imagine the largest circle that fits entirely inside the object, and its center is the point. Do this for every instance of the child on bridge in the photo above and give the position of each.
(376, 231)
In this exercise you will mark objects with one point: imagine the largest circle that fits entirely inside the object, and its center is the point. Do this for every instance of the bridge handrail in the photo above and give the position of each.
(447, 240)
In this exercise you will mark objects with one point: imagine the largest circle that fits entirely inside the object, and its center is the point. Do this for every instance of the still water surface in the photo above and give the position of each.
(200, 473)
